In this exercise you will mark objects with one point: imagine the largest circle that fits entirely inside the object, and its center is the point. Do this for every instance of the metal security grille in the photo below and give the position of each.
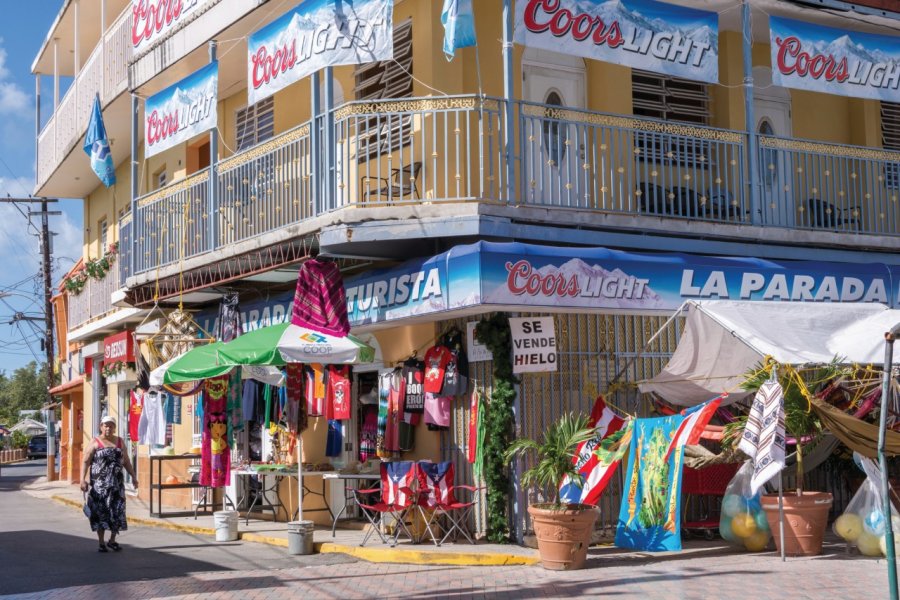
(592, 350)
(890, 140)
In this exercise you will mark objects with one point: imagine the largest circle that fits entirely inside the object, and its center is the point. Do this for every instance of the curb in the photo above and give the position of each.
(374, 555)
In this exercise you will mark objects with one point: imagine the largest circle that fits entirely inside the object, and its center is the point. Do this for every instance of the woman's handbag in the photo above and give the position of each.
(86, 509)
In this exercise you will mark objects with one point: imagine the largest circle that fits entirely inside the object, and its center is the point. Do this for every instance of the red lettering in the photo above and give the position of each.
(792, 58)
(546, 15)
(159, 127)
(149, 18)
(266, 67)
(523, 279)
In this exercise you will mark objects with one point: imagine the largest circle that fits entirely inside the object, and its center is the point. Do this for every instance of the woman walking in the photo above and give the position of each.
(103, 463)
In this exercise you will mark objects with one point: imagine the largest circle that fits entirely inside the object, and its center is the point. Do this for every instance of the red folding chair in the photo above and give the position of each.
(396, 499)
(437, 496)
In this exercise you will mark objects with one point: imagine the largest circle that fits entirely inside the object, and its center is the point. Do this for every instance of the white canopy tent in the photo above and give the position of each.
(723, 339)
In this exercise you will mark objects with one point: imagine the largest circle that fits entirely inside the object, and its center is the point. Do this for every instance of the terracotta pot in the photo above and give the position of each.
(805, 520)
(563, 536)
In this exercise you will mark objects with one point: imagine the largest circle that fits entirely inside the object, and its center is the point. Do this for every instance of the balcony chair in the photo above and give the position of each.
(402, 183)
(437, 501)
(825, 214)
(654, 199)
(396, 499)
(686, 202)
(719, 204)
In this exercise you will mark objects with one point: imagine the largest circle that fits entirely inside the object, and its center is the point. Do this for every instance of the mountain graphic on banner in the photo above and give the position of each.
(845, 46)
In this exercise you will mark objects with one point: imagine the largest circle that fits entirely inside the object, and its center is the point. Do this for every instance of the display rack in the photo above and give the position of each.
(157, 487)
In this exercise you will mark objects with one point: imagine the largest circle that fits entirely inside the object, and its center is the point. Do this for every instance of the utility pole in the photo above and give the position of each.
(48, 315)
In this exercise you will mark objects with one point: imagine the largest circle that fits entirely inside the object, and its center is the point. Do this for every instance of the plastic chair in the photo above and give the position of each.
(402, 182)
(437, 496)
(396, 499)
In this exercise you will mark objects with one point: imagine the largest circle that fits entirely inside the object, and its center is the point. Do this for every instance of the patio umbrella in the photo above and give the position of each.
(200, 362)
(287, 343)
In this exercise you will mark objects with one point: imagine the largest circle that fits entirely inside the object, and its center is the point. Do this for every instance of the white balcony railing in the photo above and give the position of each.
(95, 300)
(104, 72)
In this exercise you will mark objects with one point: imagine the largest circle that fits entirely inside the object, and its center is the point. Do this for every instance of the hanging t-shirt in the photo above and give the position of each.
(249, 398)
(437, 411)
(315, 390)
(135, 408)
(152, 426)
(454, 382)
(172, 408)
(454, 341)
(337, 396)
(413, 380)
(297, 408)
(436, 360)
(368, 432)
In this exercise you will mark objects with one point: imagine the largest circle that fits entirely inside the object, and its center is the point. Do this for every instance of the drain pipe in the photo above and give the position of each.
(889, 338)
(752, 161)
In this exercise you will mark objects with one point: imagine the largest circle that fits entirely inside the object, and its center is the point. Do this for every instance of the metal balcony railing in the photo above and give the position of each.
(452, 149)
(95, 299)
(104, 72)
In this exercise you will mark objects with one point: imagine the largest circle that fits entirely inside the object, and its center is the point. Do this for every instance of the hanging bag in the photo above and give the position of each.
(86, 508)
(863, 523)
(743, 521)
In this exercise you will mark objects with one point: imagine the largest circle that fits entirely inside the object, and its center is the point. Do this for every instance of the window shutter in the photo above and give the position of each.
(255, 123)
(383, 80)
(890, 140)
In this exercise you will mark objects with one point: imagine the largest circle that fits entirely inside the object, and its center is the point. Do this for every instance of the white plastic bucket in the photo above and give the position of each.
(226, 525)
(300, 537)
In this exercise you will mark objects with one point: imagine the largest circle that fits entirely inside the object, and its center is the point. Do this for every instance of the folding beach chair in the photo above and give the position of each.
(397, 497)
(437, 496)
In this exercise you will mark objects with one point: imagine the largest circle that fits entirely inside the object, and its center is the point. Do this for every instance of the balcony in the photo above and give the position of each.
(427, 151)
(104, 72)
(95, 299)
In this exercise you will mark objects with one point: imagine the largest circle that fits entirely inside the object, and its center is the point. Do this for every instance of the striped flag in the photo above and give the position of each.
(595, 464)
(696, 419)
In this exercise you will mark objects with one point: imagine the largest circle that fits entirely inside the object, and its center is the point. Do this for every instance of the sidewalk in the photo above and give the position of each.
(346, 541)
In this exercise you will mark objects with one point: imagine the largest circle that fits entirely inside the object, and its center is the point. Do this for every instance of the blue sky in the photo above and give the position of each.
(22, 30)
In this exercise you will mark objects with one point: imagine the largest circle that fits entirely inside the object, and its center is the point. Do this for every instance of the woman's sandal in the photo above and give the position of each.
(102, 547)
(114, 545)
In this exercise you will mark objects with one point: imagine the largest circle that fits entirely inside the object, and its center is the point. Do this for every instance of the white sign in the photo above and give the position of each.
(182, 110)
(533, 344)
(315, 35)
(477, 352)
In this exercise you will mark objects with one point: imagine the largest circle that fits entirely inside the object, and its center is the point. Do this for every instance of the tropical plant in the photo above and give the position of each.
(800, 421)
(554, 455)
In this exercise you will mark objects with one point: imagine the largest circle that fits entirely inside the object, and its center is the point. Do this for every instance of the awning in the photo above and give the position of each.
(723, 339)
(69, 386)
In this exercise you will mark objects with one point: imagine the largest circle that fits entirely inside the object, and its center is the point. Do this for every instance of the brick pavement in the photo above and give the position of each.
(697, 576)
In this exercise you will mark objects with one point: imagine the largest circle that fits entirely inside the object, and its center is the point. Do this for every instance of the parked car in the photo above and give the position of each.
(37, 446)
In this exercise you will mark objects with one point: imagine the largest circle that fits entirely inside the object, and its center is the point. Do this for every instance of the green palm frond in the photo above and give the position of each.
(554, 455)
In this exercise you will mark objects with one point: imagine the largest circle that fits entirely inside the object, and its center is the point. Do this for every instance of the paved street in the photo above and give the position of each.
(48, 551)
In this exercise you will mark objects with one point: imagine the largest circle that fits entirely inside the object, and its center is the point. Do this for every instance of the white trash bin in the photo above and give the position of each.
(226, 525)
(300, 537)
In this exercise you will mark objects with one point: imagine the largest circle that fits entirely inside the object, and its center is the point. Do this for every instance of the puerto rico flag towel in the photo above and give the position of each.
(763, 438)
(96, 145)
(696, 420)
(596, 460)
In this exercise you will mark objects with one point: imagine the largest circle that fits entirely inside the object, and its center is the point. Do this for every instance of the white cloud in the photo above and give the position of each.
(13, 99)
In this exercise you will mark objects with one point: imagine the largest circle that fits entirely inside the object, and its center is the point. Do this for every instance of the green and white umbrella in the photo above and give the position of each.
(287, 343)
(197, 363)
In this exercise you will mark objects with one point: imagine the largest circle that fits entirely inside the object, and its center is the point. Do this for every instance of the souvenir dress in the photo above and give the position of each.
(106, 498)
(215, 457)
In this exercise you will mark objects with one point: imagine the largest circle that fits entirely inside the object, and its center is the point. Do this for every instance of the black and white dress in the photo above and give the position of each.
(106, 497)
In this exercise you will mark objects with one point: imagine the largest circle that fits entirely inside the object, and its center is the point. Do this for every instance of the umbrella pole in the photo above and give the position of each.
(300, 478)
(882, 460)
(781, 517)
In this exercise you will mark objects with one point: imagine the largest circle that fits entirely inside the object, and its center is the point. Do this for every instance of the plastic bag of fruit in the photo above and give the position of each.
(743, 521)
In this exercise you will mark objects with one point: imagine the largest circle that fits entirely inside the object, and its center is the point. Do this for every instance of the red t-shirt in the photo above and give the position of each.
(436, 360)
(337, 398)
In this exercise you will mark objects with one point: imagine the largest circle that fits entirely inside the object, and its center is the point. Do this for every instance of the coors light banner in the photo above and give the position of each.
(642, 34)
(314, 35)
(834, 61)
(182, 110)
(154, 19)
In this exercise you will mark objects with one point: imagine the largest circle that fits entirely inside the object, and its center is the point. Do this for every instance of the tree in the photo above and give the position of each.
(25, 390)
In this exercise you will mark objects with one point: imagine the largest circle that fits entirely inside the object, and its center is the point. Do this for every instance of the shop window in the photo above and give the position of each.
(384, 134)
(670, 99)
(890, 140)
(255, 123)
(160, 178)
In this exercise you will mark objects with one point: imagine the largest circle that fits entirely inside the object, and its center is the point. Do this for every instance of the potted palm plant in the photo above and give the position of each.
(563, 530)
(805, 511)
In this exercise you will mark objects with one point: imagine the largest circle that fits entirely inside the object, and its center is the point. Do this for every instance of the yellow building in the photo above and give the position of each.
(375, 163)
